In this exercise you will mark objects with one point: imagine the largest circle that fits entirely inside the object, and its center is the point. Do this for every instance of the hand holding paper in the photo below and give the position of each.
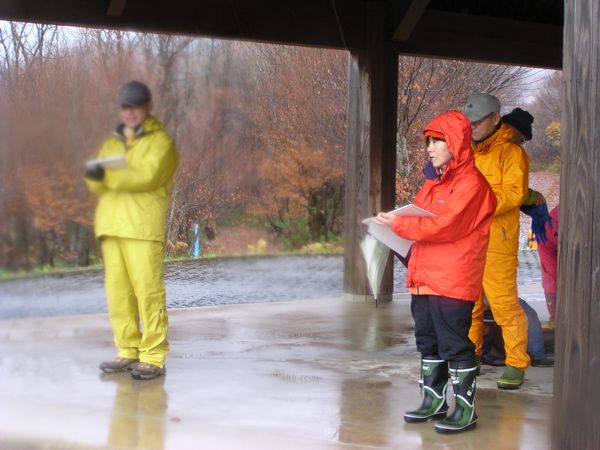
(380, 238)
(94, 169)
(95, 172)
(112, 162)
(379, 227)
(383, 218)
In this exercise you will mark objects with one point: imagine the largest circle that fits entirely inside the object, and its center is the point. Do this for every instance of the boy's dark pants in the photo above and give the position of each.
(442, 328)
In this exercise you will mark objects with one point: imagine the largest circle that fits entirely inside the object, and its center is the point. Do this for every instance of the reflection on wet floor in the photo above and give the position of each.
(372, 331)
(322, 374)
(359, 398)
(138, 419)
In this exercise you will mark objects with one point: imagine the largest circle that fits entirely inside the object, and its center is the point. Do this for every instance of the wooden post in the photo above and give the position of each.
(577, 371)
(371, 147)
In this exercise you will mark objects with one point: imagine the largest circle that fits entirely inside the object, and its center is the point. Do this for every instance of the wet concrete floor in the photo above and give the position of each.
(317, 374)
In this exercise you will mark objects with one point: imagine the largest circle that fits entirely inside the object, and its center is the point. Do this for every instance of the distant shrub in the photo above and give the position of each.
(177, 249)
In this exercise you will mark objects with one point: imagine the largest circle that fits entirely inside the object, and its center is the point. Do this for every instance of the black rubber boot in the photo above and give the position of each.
(434, 380)
(463, 417)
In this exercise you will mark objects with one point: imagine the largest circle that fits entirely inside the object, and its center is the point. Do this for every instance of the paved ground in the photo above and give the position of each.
(317, 374)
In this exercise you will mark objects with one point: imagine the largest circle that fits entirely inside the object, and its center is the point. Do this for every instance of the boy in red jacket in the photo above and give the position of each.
(445, 270)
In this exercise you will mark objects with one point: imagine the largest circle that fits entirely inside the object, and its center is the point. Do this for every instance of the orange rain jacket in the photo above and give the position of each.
(505, 166)
(448, 256)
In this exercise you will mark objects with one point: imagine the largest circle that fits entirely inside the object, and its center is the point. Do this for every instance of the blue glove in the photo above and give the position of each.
(539, 217)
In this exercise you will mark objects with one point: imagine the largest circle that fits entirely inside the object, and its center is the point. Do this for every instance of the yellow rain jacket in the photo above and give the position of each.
(531, 197)
(505, 165)
(133, 201)
(130, 219)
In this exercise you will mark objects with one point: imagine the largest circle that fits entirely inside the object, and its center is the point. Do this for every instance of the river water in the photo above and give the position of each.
(203, 282)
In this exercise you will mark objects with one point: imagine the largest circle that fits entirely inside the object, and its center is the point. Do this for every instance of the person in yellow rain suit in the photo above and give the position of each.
(133, 197)
(506, 167)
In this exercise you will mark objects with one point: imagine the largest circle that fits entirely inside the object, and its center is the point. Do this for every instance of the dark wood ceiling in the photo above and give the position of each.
(522, 32)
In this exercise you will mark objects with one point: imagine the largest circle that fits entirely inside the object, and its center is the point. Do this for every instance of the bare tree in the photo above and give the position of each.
(546, 109)
(298, 99)
(164, 57)
(428, 87)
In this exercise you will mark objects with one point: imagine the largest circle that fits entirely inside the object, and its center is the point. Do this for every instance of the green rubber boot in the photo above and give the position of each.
(434, 381)
(463, 383)
(511, 378)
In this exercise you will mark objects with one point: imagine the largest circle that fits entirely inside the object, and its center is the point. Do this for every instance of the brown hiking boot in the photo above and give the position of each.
(118, 364)
(147, 371)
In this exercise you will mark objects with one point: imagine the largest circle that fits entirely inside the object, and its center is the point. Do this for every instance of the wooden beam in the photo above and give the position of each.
(115, 8)
(307, 22)
(320, 23)
(371, 147)
(485, 39)
(473, 26)
(409, 20)
(577, 348)
(484, 50)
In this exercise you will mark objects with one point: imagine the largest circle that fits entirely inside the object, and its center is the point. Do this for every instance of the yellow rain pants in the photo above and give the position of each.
(506, 167)
(135, 292)
(500, 289)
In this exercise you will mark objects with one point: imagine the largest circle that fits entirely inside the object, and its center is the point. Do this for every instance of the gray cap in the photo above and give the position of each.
(480, 105)
(134, 93)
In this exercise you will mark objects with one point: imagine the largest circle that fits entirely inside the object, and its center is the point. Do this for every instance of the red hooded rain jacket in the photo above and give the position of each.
(449, 254)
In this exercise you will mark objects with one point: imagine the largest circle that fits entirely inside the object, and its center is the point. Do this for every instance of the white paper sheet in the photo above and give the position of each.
(385, 235)
(113, 162)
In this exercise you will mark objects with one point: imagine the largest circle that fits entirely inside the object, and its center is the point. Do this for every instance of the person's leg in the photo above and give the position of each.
(551, 305)
(535, 340)
(434, 376)
(477, 325)
(535, 337)
(500, 289)
(464, 385)
(452, 321)
(493, 345)
(145, 264)
(488, 342)
(548, 261)
(427, 344)
(121, 300)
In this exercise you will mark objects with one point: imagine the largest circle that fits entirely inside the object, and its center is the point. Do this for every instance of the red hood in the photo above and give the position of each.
(456, 128)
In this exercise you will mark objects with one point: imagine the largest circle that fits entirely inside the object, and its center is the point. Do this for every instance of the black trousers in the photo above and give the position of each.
(442, 328)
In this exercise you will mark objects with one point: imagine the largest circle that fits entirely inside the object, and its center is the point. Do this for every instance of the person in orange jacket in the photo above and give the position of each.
(506, 167)
(445, 269)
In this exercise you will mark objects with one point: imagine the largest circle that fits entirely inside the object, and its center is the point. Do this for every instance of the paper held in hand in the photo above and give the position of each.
(385, 235)
(112, 162)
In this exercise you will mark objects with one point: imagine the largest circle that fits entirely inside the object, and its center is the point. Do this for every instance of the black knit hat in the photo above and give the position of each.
(521, 120)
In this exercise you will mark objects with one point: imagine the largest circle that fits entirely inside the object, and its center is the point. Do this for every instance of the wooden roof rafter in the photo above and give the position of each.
(523, 32)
